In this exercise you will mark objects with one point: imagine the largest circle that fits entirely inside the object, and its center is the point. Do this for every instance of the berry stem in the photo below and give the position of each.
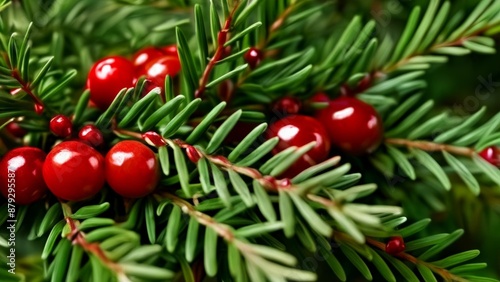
(432, 147)
(222, 38)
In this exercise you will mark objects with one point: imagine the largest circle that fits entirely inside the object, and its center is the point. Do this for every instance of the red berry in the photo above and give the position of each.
(132, 169)
(287, 105)
(91, 135)
(21, 170)
(61, 126)
(395, 246)
(170, 50)
(299, 130)
(491, 155)
(107, 77)
(253, 57)
(158, 69)
(354, 126)
(145, 56)
(15, 130)
(74, 171)
(320, 98)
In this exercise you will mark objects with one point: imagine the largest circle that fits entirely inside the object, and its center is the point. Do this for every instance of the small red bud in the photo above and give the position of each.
(39, 108)
(193, 154)
(285, 183)
(154, 139)
(253, 57)
(491, 155)
(91, 135)
(395, 245)
(61, 126)
(269, 182)
(288, 105)
(15, 130)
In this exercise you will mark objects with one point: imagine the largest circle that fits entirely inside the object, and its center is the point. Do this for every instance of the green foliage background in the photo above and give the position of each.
(452, 84)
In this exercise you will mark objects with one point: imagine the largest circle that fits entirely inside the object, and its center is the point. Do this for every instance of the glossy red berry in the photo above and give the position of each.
(91, 135)
(132, 169)
(253, 57)
(353, 126)
(491, 155)
(15, 130)
(107, 77)
(395, 245)
(299, 130)
(21, 175)
(61, 126)
(287, 106)
(145, 56)
(74, 171)
(158, 69)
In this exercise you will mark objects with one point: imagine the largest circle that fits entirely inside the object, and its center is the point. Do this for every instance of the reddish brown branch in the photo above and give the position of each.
(25, 86)
(222, 38)
(78, 238)
(431, 146)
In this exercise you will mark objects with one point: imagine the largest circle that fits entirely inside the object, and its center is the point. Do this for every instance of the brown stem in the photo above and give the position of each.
(275, 27)
(431, 146)
(222, 38)
(445, 274)
(77, 237)
(222, 230)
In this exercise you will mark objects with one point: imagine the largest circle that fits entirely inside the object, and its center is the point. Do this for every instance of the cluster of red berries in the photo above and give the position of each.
(75, 171)
(111, 74)
(347, 124)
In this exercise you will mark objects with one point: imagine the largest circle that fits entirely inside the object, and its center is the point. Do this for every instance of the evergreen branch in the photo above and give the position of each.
(222, 38)
(77, 237)
(432, 146)
(255, 255)
(444, 273)
(436, 48)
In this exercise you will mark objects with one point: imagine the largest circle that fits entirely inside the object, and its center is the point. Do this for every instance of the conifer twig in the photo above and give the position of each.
(431, 146)
(457, 42)
(222, 38)
(445, 274)
(25, 86)
(77, 237)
